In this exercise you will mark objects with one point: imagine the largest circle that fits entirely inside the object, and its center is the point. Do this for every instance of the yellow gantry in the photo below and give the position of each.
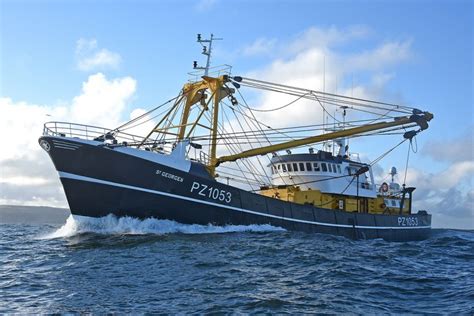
(195, 92)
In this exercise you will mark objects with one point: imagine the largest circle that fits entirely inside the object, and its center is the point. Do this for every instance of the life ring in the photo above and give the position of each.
(384, 187)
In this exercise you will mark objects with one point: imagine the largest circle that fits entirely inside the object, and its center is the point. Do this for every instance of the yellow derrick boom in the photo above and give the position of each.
(421, 120)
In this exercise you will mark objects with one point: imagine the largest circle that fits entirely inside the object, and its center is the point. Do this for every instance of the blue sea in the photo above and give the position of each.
(110, 265)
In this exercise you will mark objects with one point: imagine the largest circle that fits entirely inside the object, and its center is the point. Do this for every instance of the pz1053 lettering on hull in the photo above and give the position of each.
(211, 192)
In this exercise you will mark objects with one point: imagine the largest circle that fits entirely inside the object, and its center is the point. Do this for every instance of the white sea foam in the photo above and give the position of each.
(128, 225)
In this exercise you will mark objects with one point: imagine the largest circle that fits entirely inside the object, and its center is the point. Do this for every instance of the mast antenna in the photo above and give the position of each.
(206, 50)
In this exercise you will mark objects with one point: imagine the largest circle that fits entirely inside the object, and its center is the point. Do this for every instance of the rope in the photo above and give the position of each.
(406, 165)
(275, 109)
(386, 153)
(363, 102)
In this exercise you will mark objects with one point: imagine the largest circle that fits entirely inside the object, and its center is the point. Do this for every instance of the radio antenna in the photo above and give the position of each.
(206, 50)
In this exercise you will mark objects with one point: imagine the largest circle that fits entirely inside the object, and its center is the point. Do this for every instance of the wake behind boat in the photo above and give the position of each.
(211, 160)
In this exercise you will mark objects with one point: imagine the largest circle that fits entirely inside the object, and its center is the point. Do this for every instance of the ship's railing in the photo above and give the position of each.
(215, 71)
(89, 132)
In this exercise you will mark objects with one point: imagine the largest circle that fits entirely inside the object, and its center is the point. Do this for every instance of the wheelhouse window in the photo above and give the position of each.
(324, 167)
(288, 165)
(295, 166)
(316, 166)
(339, 169)
(308, 166)
(279, 167)
(329, 167)
(301, 165)
(283, 167)
(352, 170)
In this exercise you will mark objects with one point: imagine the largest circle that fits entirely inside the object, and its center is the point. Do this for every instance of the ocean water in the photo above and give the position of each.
(126, 265)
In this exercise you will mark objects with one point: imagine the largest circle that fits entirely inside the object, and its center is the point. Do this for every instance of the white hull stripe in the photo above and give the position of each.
(94, 180)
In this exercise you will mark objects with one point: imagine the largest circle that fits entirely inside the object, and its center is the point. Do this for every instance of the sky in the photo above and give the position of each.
(103, 62)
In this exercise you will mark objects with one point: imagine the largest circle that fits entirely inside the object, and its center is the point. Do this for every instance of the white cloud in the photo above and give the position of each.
(457, 149)
(205, 5)
(85, 46)
(453, 175)
(326, 37)
(90, 57)
(385, 55)
(146, 123)
(26, 171)
(311, 61)
(444, 195)
(102, 101)
(379, 80)
(260, 46)
(448, 194)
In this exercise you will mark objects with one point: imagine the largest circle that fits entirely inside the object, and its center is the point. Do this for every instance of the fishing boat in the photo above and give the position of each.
(209, 159)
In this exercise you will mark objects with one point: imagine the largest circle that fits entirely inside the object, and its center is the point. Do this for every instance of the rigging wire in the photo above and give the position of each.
(406, 164)
(259, 125)
(146, 113)
(386, 153)
(258, 135)
(249, 167)
(249, 81)
(242, 128)
(149, 119)
(278, 108)
(240, 148)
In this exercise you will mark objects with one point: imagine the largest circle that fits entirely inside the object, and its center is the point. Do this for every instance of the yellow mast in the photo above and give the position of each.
(194, 93)
(215, 120)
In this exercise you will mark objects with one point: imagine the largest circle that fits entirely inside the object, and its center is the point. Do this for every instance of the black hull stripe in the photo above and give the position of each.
(65, 147)
(66, 144)
(94, 180)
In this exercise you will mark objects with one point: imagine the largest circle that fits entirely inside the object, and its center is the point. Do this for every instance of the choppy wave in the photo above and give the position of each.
(133, 226)
(125, 265)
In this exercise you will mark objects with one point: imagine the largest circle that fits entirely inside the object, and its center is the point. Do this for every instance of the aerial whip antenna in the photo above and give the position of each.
(206, 50)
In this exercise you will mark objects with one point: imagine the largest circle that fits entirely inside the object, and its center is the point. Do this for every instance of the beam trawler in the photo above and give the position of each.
(209, 159)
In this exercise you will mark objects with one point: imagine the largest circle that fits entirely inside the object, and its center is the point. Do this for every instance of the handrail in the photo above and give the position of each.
(215, 71)
(88, 132)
